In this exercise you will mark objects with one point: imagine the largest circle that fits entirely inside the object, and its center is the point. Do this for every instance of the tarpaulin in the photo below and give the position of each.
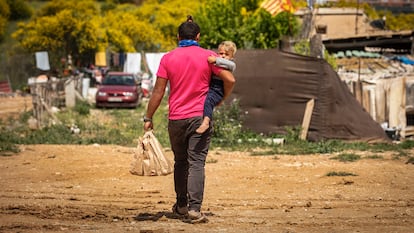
(273, 87)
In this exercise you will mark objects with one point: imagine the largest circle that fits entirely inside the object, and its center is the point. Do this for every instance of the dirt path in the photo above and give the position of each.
(73, 188)
(70, 188)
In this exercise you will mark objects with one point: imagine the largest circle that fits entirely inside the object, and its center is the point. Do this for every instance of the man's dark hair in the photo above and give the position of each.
(188, 30)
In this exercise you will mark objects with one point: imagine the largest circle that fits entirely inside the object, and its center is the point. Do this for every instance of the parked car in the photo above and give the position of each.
(119, 89)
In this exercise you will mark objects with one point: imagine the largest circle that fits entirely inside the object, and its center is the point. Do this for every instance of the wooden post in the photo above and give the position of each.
(307, 118)
(358, 91)
(397, 115)
(70, 96)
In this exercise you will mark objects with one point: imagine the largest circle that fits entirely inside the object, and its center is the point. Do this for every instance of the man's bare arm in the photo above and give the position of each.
(155, 100)
(229, 81)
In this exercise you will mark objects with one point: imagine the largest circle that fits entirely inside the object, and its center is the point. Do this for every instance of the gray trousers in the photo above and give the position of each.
(190, 153)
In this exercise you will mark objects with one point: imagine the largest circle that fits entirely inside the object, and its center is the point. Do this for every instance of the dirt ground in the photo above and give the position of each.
(88, 188)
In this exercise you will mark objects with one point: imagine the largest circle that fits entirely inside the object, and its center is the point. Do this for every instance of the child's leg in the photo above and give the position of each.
(214, 96)
(204, 125)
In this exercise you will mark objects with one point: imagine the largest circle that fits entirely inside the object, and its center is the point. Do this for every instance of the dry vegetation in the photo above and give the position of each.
(88, 188)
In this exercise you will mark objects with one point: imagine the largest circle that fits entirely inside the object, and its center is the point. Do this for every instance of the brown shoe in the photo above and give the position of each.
(180, 211)
(197, 217)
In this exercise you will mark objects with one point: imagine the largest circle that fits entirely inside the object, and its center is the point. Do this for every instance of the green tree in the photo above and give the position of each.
(4, 9)
(4, 16)
(397, 22)
(126, 32)
(165, 16)
(79, 28)
(243, 22)
(62, 28)
(19, 9)
(394, 22)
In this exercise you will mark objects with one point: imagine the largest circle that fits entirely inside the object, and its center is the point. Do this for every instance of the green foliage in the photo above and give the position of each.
(126, 33)
(347, 157)
(82, 107)
(3, 25)
(19, 9)
(243, 22)
(303, 47)
(125, 126)
(374, 157)
(55, 134)
(227, 124)
(4, 9)
(330, 59)
(8, 141)
(4, 16)
(62, 28)
(340, 174)
(82, 8)
(108, 6)
(394, 22)
(165, 17)
(79, 28)
(407, 144)
(211, 161)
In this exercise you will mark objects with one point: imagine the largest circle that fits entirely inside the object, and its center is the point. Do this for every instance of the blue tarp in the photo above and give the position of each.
(404, 60)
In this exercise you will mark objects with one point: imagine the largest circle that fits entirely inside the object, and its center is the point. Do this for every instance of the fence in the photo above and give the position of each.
(51, 94)
(390, 102)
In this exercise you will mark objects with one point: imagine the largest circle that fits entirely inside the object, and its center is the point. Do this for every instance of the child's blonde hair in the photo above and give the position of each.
(229, 46)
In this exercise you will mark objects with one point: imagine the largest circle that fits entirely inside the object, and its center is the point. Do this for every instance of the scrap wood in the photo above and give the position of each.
(307, 118)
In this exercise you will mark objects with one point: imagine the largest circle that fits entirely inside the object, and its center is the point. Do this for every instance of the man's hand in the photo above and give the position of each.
(148, 126)
(211, 59)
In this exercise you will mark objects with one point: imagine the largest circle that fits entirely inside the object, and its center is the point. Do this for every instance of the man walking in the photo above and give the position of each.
(188, 73)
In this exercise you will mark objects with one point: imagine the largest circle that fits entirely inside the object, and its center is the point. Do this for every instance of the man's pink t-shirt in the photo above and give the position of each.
(189, 74)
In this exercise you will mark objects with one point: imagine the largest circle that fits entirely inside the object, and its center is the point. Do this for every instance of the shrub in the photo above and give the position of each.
(347, 157)
(82, 107)
(227, 125)
(340, 174)
(19, 9)
(7, 143)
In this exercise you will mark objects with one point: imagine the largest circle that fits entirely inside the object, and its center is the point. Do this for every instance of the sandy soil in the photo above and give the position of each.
(78, 188)
(11, 107)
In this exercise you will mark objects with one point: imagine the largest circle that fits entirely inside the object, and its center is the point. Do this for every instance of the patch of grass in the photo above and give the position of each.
(55, 134)
(211, 161)
(381, 147)
(340, 174)
(374, 157)
(82, 107)
(8, 149)
(399, 153)
(410, 160)
(125, 126)
(407, 144)
(347, 157)
(227, 126)
(261, 153)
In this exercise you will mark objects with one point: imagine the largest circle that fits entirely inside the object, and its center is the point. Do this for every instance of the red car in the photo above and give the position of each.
(119, 89)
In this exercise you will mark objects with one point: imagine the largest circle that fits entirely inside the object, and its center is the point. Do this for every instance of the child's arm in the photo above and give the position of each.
(223, 63)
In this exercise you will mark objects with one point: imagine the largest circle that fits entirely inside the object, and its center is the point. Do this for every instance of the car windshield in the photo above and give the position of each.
(125, 80)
